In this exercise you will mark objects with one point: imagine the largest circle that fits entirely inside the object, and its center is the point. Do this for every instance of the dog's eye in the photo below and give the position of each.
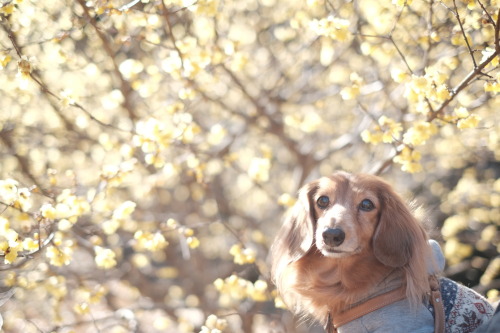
(366, 205)
(323, 201)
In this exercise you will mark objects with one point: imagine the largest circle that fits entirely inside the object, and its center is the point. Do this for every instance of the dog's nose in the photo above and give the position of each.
(333, 236)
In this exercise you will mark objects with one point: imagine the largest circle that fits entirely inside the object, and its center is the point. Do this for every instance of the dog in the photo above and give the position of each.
(351, 243)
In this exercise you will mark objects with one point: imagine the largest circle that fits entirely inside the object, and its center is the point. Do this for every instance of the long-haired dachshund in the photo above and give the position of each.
(349, 244)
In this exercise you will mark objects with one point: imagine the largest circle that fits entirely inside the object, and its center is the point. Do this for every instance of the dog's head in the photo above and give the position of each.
(344, 215)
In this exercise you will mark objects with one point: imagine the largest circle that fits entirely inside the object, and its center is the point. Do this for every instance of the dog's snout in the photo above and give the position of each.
(333, 236)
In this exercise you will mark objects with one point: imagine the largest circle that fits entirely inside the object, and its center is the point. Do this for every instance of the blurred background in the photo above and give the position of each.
(149, 149)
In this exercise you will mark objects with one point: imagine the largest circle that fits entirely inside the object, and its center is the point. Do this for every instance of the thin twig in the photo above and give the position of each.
(457, 16)
(490, 19)
(389, 38)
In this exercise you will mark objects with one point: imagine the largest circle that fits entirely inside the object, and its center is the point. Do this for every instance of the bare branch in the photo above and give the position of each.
(462, 85)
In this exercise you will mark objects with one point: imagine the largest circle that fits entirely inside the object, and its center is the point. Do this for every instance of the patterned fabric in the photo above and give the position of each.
(465, 310)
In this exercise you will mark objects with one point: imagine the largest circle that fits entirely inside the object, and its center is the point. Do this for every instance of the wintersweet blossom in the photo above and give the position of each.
(149, 241)
(242, 256)
(238, 288)
(333, 27)
(104, 258)
(409, 160)
(213, 324)
(472, 121)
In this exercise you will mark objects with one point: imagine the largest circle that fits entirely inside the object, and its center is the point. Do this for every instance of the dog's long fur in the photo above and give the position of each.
(315, 279)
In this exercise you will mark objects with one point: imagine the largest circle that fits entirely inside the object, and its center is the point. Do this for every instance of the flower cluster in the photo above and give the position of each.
(465, 119)
(387, 130)
(10, 243)
(234, 288)
(67, 206)
(419, 133)
(11, 194)
(104, 258)
(409, 160)
(351, 92)
(430, 87)
(86, 297)
(333, 27)
(213, 324)
(242, 256)
(154, 136)
(259, 169)
(187, 233)
(60, 255)
(121, 214)
(149, 241)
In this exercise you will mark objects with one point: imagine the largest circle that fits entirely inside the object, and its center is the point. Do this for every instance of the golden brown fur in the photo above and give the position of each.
(315, 277)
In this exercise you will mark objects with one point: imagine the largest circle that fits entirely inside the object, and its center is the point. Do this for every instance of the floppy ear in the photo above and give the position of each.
(397, 230)
(296, 235)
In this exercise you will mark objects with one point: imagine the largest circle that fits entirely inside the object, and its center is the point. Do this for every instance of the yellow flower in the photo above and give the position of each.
(193, 242)
(419, 133)
(59, 256)
(4, 226)
(409, 160)
(8, 191)
(419, 83)
(333, 27)
(172, 223)
(488, 52)
(472, 121)
(23, 199)
(104, 258)
(124, 210)
(81, 308)
(399, 75)
(391, 129)
(242, 256)
(349, 93)
(493, 87)
(461, 112)
(29, 244)
(48, 211)
(110, 226)
(286, 200)
(372, 137)
(213, 324)
(258, 291)
(259, 169)
(4, 60)
(149, 241)
(11, 255)
(441, 93)
(7, 9)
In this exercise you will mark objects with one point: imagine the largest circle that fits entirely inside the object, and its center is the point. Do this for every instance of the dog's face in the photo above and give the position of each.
(346, 212)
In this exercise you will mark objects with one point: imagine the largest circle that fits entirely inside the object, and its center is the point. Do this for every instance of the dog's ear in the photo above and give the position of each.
(397, 230)
(296, 235)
